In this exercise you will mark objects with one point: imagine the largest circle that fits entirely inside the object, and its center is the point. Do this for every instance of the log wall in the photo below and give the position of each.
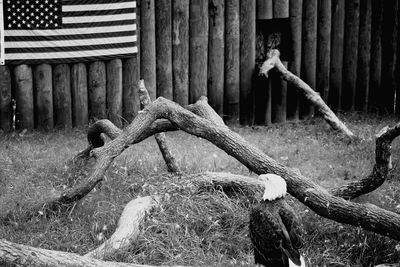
(208, 47)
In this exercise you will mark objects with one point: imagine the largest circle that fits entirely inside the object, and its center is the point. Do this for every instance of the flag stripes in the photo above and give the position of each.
(91, 30)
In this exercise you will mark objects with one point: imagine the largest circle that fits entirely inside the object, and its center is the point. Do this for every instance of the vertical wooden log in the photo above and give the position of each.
(389, 32)
(337, 35)
(5, 99)
(163, 16)
(350, 54)
(364, 56)
(198, 49)
(24, 97)
(148, 46)
(131, 77)
(114, 91)
(247, 60)
(216, 44)
(62, 96)
(232, 59)
(180, 51)
(376, 54)
(263, 99)
(309, 52)
(397, 70)
(79, 92)
(97, 90)
(323, 48)
(44, 96)
(279, 88)
(295, 12)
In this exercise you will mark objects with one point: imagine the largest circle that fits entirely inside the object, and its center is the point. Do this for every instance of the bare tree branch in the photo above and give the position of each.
(273, 62)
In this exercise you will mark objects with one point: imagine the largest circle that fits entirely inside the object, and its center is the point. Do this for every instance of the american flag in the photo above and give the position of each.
(62, 31)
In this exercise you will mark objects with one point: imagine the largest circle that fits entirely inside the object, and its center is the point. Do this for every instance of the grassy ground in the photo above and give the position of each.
(194, 226)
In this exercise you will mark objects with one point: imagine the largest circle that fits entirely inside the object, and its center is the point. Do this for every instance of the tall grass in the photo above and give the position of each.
(194, 226)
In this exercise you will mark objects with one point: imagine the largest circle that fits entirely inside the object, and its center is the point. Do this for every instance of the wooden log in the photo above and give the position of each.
(163, 16)
(114, 91)
(364, 56)
(5, 99)
(273, 62)
(263, 87)
(128, 227)
(350, 54)
(389, 43)
(370, 218)
(232, 60)
(97, 90)
(80, 113)
(376, 54)
(130, 79)
(198, 49)
(44, 96)
(180, 51)
(279, 86)
(216, 45)
(337, 35)
(148, 46)
(62, 96)
(323, 48)
(23, 83)
(309, 52)
(397, 70)
(16, 255)
(247, 60)
(293, 98)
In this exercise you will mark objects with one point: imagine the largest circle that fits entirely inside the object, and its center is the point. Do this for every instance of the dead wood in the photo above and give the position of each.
(161, 140)
(311, 194)
(128, 229)
(274, 62)
(383, 146)
(16, 255)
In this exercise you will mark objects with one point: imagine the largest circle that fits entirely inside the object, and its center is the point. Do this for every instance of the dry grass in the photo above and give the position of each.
(195, 226)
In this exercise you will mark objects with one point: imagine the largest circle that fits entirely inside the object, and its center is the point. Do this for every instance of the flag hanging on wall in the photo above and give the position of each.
(63, 31)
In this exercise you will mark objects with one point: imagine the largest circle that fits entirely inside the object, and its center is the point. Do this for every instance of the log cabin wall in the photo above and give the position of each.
(347, 50)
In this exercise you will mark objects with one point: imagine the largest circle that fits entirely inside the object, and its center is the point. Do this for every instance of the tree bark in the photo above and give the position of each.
(16, 255)
(274, 62)
(311, 194)
(160, 137)
(128, 229)
(44, 96)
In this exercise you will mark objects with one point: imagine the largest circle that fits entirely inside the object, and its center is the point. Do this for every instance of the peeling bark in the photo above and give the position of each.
(273, 62)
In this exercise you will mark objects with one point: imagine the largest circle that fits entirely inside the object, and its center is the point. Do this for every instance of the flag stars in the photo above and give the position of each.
(43, 14)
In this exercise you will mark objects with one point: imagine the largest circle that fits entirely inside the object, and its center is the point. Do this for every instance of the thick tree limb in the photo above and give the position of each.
(160, 137)
(128, 227)
(16, 255)
(380, 170)
(311, 194)
(273, 62)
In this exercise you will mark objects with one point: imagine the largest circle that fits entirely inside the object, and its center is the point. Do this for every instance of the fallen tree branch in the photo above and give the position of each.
(128, 227)
(383, 145)
(274, 62)
(311, 194)
(168, 157)
(16, 255)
